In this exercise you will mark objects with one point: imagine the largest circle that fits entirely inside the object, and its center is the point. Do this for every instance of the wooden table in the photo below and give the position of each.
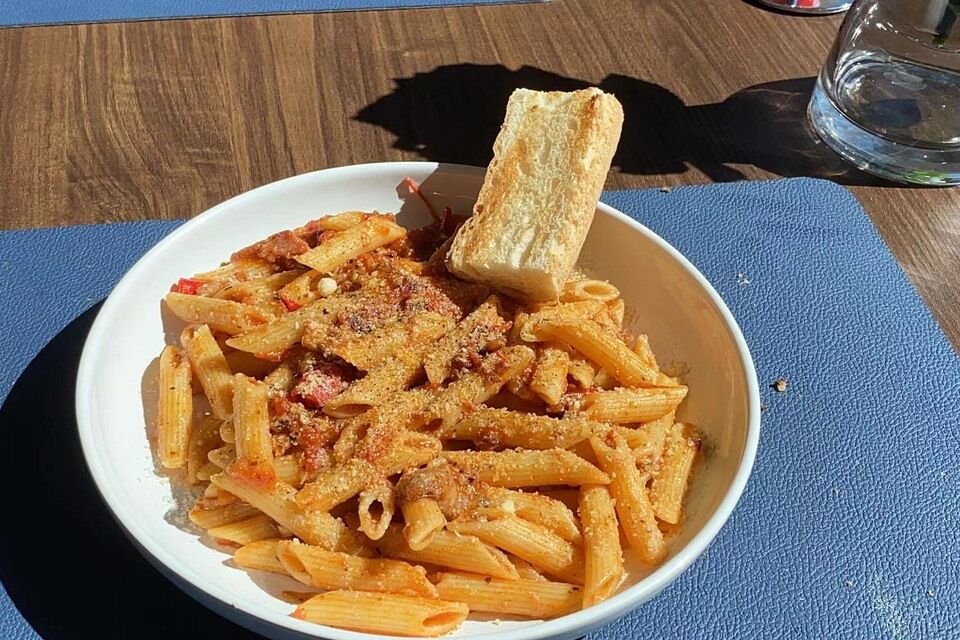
(111, 122)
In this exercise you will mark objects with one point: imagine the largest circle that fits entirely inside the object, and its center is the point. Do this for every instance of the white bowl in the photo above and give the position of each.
(687, 322)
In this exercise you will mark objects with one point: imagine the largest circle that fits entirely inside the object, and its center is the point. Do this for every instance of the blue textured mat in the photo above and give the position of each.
(848, 527)
(15, 13)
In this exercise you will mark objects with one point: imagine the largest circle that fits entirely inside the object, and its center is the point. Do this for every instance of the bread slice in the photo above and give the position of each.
(538, 198)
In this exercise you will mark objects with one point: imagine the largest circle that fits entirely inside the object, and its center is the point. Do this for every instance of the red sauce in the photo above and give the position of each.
(279, 249)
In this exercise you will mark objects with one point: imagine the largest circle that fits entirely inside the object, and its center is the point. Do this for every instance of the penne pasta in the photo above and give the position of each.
(210, 367)
(502, 428)
(259, 290)
(528, 598)
(175, 410)
(237, 271)
(371, 349)
(251, 424)
(323, 569)
(623, 406)
(342, 221)
(549, 379)
(204, 438)
(277, 501)
(396, 374)
(531, 542)
(544, 511)
(566, 312)
(451, 550)
(258, 527)
(604, 348)
(475, 387)
(633, 508)
(351, 243)
(220, 315)
(249, 364)
(517, 469)
(582, 372)
(260, 555)
(603, 565)
(210, 517)
(375, 509)
(383, 613)
(670, 484)
(423, 519)
(481, 327)
(526, 570)
(281, 333)
(589, 289)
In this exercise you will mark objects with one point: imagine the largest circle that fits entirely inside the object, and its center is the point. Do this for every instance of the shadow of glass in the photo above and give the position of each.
(65, 562)
(453, 114)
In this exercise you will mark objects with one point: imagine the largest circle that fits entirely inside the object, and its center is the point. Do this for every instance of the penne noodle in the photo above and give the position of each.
(582, 372)
(277, 501)
(324, 569)
(622, 406)
(502, 428)
(208, 518)
(544, 511)
(342, 221)
(280, 334)
(528, 598)
(261, 555)
(451, 550)
(383, 613)
(249, 364)
(670, 484)
(175, 410)
(375, 509)
(517, 469)
(302, 290)
(531, 542)
(526, 570)
(210, 367)
(603, 566)
(647, 441)
(289, 469)
(204, 438)
(589, 289)
(569, 312)
(336, 485)
(603, 347)
(251, 424)
(260, 290)
(237, 271)
(549, 379)
(628, 489)
(221, 315)
(223, 456)
(369, 350)
(475, 387)
(281, 379)
(423, 519)
(482, 325)
(642, 348)
(393, 375)
(351, 243)
(617, 310)
(258, 527)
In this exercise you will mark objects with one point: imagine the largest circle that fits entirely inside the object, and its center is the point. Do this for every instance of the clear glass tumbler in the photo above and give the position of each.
(888, 97)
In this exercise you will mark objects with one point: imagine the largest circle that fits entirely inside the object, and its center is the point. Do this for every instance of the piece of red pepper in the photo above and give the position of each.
(188, 286)
(290, 303)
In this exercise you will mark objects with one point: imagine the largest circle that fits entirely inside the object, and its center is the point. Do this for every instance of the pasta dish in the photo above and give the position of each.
(411, 446)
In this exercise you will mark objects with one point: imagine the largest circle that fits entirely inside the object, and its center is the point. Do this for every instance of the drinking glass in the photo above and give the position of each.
(888, 97)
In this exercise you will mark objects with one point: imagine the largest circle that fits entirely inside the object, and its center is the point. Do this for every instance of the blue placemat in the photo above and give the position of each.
(14, 13)
(848, 528)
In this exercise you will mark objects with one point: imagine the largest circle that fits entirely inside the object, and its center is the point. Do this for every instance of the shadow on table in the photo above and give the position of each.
(64, 561)
(453, 113)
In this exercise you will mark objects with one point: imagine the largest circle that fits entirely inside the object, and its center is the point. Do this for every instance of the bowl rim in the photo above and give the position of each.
(580, 621)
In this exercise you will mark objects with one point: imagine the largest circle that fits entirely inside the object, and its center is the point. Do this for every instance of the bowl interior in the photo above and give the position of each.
(117, 385)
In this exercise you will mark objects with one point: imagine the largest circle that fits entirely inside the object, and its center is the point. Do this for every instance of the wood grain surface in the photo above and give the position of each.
(140, 120)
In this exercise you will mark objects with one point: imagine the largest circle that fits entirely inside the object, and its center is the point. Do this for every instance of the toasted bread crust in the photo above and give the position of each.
(540, 192)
